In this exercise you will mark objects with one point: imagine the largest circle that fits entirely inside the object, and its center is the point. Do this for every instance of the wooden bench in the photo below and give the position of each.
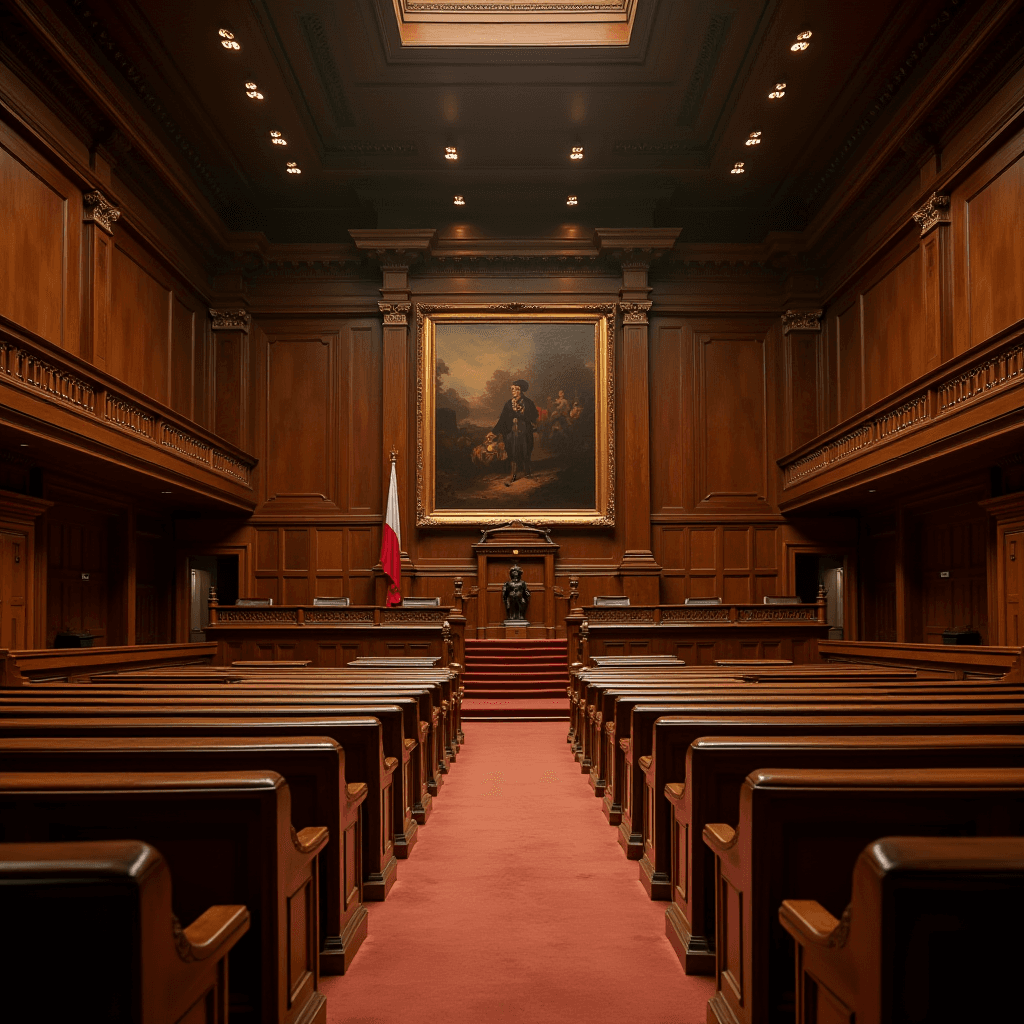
(227, 838)
(133, 960)
(399, 794)
(931, 933)
(420, 773)
(715, 769)
(313, 767)
(798, 834)
(358, 736)
(646, 824)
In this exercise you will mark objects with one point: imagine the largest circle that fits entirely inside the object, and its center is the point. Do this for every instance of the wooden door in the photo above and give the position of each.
(14, 550)
(1013, 562)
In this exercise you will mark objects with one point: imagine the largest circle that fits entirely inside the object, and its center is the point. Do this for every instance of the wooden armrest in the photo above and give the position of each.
(355, 792)
(390, 764)
(720, 837)
(599, 717)
(435, 716)
(214, 932)
(674, 791)
(445, 705)
(810, 923)
(609, 727)
(424, 730)
(409, 744)
(645, 763)
(624, 745)
(310, 839)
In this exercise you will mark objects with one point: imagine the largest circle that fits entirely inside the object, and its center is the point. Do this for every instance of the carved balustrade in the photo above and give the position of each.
(74, 385)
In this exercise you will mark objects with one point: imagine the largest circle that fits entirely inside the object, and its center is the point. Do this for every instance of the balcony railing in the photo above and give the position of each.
(73, 384)
(946, 392)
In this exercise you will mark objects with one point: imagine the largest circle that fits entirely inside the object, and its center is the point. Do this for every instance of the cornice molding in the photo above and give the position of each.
(230, 320)
(933, 212)
(98, 210)
(635, 246)
(801, 320)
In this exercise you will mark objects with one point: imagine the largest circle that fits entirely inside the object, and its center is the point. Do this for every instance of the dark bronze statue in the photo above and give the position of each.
(516, 595)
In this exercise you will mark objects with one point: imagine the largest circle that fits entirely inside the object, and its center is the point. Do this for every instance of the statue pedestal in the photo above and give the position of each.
(516, 629)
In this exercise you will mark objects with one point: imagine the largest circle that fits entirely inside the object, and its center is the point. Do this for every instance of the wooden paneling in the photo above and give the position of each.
(893, 328)
(78, 573)
(138, 345)
(803, 391)
(183, 345)
(362, 359)
(41, 216)
(671, 387)
(732, 420)
(994, 248)
(846, 328)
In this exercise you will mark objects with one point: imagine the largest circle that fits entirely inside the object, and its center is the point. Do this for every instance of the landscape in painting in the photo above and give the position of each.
(514, 416)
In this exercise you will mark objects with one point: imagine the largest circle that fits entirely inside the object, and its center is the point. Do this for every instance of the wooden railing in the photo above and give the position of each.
(947, 391)
(22, 668)
(941, 661)
(312, 615)
(74, 384)
(680, 614)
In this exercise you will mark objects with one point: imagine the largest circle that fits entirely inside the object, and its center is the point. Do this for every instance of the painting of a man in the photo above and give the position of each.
(518, 419)
(517, 409)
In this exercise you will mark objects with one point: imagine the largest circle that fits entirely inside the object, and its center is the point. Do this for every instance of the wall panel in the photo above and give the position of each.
(849, 359)
(670, 425)
(40, 212)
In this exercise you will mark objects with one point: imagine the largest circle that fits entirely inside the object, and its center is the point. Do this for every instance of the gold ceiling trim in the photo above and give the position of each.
(503, 23)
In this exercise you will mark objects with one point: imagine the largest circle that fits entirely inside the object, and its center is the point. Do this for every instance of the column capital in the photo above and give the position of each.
(230, 320)
(801, 320)
(933, 212)
(396, 313)
(634, 312)
(394, 246)
(635, 245)
(97, 209)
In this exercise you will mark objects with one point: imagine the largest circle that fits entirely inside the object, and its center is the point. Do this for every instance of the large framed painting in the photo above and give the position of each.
(515, 415)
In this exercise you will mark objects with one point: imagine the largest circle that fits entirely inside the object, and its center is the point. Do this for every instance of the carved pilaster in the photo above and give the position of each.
(801, 320)
(395, 313)
(230, 320)
(97, 209)
(933, 212)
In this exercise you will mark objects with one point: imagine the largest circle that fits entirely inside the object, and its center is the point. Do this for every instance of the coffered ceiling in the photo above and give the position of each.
(662, 112)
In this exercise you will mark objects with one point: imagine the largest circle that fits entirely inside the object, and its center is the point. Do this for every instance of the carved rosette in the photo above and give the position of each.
(934, 212)
(801, 320)
(634, 312)
(395, 313)
(230, 320)
(97, 209)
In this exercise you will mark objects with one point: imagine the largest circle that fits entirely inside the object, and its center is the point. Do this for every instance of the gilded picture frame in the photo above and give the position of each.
(515, 414)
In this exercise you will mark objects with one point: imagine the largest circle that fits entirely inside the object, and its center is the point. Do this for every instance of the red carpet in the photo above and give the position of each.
(515, 669)
(547, 709)
(517, 905)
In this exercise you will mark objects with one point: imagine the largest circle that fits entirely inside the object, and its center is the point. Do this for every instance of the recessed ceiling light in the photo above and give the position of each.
(227, 40)
(802, 42)
(252, 91)
(451, 153)
(778, 92)
(278, 139)
(571, 201)
(293, 168)
(737, 168)
(577, 153)
(753, 139)
(459, 201)
(165, 492)
(871, 490)
(22, 445)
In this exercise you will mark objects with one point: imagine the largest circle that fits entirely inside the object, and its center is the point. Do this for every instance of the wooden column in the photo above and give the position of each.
(396, 251)
(231, 377)
(804, 414)
(635, 249)
(97, 248)
(937, 265)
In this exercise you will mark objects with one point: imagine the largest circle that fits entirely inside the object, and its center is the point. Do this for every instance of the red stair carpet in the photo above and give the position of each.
(517, 906)
(521, 679)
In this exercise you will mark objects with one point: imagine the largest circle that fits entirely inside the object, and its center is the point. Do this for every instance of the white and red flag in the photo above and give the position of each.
(391, 544)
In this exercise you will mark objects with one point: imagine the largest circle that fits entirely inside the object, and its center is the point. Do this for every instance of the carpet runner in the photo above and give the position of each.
(524, 679)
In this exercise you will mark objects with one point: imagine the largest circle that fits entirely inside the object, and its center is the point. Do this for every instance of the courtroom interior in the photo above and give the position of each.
(389, 386)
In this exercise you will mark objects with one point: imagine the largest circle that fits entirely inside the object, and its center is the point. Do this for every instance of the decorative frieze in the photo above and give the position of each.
(634, 312)
(230, 320)
(395, 313)
(97, 209)
(934, 212)
(801, 320)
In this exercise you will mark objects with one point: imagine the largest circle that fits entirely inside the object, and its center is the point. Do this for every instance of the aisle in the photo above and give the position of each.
(516, 905)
